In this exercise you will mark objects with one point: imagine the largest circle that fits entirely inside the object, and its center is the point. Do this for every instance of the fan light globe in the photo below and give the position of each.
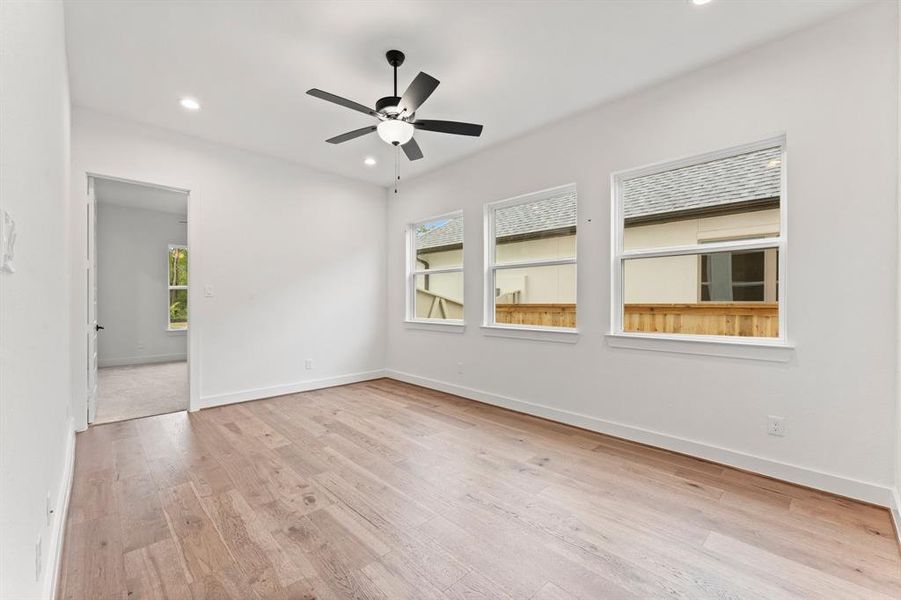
(395, 131)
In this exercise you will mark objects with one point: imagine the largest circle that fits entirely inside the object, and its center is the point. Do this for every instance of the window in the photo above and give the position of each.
(178, 288)
(700, 245)
(531, 261)
(750, 276)
(435, 270)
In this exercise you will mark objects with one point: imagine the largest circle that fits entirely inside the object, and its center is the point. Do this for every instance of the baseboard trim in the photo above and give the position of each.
(58, 534)
(126, 361)
(290, 388)
(836, 484)
(896, 513)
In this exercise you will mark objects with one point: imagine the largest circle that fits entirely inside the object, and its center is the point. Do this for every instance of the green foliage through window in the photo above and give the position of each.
(178, 287)
(178, 266)
(178, 309)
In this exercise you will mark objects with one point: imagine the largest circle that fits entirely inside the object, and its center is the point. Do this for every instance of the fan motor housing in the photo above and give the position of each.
(386, 102)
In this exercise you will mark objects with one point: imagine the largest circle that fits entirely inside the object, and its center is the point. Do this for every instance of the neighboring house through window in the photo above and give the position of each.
(531, 260)
(700, 245)
(748, 276)
(178, 288)
(435, 272)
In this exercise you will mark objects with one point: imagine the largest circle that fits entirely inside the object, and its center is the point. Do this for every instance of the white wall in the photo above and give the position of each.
(833, 90)
(132, 286)
(35, 428)
(896, 512)
(280, 244)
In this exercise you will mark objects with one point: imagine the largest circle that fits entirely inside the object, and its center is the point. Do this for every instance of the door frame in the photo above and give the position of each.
(194, 268)
(92, 338)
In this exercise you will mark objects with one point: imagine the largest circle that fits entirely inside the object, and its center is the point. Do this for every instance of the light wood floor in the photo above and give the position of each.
(386, 490)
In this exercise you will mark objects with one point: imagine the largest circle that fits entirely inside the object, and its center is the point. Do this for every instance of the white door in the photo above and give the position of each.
(92, 328)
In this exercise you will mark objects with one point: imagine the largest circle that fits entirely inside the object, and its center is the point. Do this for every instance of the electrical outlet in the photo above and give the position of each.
(49, 511)
(459, 368)
(308, 364)
(776, 426)
(37, 560)
(208, 291)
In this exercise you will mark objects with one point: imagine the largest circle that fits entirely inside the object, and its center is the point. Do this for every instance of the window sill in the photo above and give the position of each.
(539, 334)
(445, 326)
(185, 330)
(750, 349)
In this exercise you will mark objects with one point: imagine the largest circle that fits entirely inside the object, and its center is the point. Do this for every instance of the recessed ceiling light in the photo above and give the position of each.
(189, 103)
(700, 2)
(369, 161)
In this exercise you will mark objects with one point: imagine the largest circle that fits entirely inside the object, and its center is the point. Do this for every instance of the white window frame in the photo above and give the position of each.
(175, 287)
(684, 342)
(489, 325)
(413, 270)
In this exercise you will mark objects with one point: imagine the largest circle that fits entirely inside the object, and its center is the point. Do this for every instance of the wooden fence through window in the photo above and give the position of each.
(744, 319)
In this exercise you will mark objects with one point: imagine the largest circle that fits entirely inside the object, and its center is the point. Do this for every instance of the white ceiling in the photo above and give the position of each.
(136, 195)
(511, 66)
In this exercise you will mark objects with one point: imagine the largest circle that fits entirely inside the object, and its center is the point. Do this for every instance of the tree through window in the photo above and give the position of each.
(178, 287)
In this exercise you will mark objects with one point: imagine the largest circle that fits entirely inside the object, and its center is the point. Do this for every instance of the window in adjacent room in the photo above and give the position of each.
(178, 288)
(531, 261)
(435, 270)
(700, 245)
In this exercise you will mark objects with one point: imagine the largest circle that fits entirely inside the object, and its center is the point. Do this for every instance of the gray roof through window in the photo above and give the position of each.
(547, 214)
(715, 184)
(449, 233)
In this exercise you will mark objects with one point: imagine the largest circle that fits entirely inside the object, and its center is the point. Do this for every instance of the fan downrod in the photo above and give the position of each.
(395, 59)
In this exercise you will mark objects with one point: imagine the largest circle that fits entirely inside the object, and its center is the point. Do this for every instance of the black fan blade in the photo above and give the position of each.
(421, 88)
(351, 135)
(412, 150)
(341, 101)
(455, 127)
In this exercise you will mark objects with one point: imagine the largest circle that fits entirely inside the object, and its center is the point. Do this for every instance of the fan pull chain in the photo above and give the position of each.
(396, 167)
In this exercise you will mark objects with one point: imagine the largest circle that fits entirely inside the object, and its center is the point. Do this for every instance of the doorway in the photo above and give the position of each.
(138, 313)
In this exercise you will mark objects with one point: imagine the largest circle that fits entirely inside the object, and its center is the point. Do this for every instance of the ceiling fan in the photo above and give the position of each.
(396, 114)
